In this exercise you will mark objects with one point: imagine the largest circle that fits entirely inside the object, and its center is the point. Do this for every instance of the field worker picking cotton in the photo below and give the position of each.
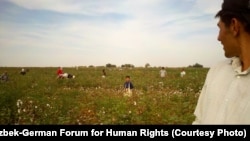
(23, 71)
(5, 76)
(225, 96)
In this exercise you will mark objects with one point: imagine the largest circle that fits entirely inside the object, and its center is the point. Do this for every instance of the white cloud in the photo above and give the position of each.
(150, 32)
(88, 7)
(210, 7)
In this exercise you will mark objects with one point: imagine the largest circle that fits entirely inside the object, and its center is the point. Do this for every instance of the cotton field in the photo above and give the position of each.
(40, 98)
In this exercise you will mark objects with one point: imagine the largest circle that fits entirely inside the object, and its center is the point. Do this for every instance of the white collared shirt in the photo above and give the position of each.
(163, 73)
(225, 96)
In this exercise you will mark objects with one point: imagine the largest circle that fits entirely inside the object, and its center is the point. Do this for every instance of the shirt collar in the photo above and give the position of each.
(237, 66)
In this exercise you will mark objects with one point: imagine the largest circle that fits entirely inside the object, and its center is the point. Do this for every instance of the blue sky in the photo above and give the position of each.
(171, 33)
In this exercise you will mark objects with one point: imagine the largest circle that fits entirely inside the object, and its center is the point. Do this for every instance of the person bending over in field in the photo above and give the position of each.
(104, 73)
(23, 71)
(4, 77)
(68, 75)
(61, 74)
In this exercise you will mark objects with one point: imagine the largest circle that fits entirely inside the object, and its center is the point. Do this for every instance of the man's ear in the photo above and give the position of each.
(235, 26)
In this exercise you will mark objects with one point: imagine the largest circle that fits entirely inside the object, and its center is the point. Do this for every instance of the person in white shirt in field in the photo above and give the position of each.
(163, 72)
(225, 96)
(183, 73)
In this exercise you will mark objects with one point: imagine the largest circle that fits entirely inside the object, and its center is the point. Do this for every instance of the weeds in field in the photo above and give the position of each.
(39, 98)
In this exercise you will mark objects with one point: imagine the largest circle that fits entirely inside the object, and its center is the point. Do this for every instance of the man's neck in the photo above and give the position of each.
(245, 51)
(245, 57)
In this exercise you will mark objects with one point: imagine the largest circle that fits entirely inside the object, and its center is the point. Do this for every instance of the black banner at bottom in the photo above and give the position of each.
(239, 132)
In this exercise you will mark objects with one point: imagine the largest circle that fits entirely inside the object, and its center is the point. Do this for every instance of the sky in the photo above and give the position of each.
(48, 33)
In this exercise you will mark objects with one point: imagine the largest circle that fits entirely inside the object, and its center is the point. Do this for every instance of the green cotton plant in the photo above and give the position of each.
(39, 98)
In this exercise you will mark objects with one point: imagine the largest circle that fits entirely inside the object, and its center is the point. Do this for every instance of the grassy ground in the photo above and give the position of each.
(39, 98)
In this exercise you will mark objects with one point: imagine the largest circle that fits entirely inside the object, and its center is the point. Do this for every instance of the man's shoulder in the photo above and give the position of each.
(222, 63)
(222, 66)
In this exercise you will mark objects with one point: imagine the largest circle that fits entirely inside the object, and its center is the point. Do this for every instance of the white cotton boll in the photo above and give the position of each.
(19, 102)
(135, 103)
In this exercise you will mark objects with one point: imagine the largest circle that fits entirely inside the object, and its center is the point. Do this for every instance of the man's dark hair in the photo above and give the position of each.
(239, 9)
(227, 16)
